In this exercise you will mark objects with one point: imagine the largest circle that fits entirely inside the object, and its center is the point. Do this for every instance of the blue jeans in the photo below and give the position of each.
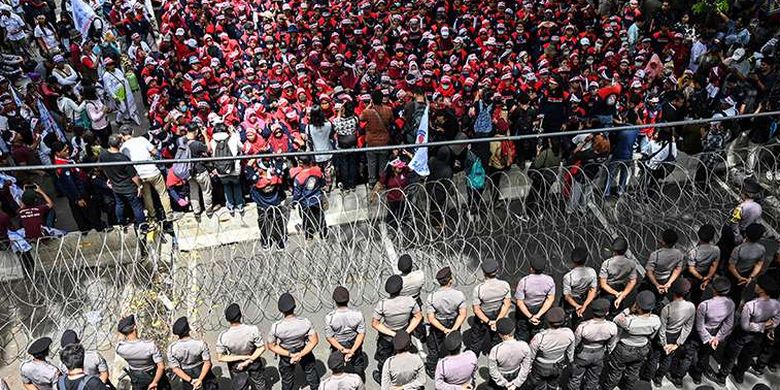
(623, 170)
(135, 204)
(234, 199)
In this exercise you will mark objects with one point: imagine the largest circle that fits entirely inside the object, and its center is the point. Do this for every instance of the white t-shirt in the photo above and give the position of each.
(14, 26)
(139, 149)
(47, 34)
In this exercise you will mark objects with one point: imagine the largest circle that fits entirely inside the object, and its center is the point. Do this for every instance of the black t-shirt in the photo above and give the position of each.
(198, 149)
(121, 177)
(93, 383)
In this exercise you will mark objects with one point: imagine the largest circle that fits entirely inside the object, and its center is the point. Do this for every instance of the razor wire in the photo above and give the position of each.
(86, 283)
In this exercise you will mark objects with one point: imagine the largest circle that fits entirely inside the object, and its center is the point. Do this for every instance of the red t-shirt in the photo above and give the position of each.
(31, 219)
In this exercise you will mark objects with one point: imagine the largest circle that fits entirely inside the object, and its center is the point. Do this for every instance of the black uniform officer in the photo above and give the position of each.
(190, 360)
(293, 339)
(145, 365)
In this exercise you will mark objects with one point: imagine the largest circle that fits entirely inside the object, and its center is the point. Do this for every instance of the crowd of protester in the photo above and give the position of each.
(229, 78)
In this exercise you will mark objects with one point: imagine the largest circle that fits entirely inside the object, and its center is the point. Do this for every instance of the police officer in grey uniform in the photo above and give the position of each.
(345, 330)
(37, 373)
(747, 212)
(746, 261)
(535, 295)
(404, 370)
(677, 319)
(490, 301)
(617, 277)
(592, 339)
(638, 327)
(240, 346)
(445, 309)
(702, 261)
(663, 266)
(509, 362)
(145, 365)
(190, 360)
(714, 323)
(94, 363)
(339, 378)
(579, 286)
(393, 314)
(413, 282)
(551, 350)
(293, 339)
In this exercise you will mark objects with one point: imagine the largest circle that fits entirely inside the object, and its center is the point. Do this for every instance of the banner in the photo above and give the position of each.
(419, 162)
(48, 123)
(83, 16)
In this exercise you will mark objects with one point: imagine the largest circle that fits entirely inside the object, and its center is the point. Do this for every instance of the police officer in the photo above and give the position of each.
(490, 301)
(509, 362)
(340, 379)
(617, 276)
(94, 363)
(240, 346)
(748, 211)
(189, 359)
(663, 266)
(638, 327)
(445, 309)
(404, 370)
(391, 315)
(345, 330)
(38, 373)
(412, 285)
(145, 365)
(703, 261)
(72, 357)
(714, 323)
(579, 287)
(758, 317)
(677, 319)
(458, 368)
(535, 295)
(592, 339)
(746, 261)
(293, 339)
(551, 349)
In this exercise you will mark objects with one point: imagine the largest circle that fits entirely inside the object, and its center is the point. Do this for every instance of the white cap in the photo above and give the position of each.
(738, 54)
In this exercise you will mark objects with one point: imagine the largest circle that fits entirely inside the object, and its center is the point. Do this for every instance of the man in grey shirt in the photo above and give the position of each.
(592, 339)
(190, 360)
(339, 378)
(714, 322)
(551, 350)
(509, 362)
(240, 346)
(746, 261)
(617, 276)
(345, 330)
(580, 286)
(293, 339)
(445, 310)
(412, 285)
(703, 261)
(391, 315)
(94, 363)
(663, 266)
(145, 365)
(535, 295)
(404, 370)
(490, 301)
(37, 373)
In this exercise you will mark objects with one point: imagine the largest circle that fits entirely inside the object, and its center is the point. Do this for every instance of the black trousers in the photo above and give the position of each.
(482, 337)
(272, 223)
(658, 363)
(209, 381)
(86, 218)
(140, 380)
(435, 344)
(543, 376)
(314, 221)
(698, 356)
(384, 349)
(287, 371)
(358, 363)
(252, 378)
(623, 367)
(524, 329)
(627, 302)
(586, 369)
(742, 348)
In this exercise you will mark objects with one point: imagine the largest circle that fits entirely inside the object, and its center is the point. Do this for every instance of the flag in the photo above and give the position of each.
(419, 162)
(83, 16)
(48, 123)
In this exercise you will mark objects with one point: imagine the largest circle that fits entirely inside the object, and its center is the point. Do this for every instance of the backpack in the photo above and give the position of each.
(223, 167)
(484, 123)
(82, 382)
(476, 175)
(411, 126)
(183, 170)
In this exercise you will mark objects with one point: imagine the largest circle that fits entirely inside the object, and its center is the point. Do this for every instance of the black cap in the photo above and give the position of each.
(405, 263)
(286, 303)
(556, 315)
(754, 231)
(394, 284)
(401, 340)
(539, 264)
(768, 284)
(505, 326)
(600, 307)
(721, 285)
(126, 325)
(336, 361)
(646, 300)
(750, 186)
(705, 387)
(69, 336)
(341, 295)
(444, 275)
(620, 244)
(233, 313)
(681, 286)
(40, 346)
(579, 255)
(489, 266)
(181, 327)
(453, 341)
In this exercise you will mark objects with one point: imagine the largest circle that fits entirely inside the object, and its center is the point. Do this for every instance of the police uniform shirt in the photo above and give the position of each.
(94, 364)
(757, 312)
(743, 215)
(702, 256)
(140, 355)
(637, 331)
(618, 271)
(596, 333)
(188, 353)
(578, 281)
(677, 317)
(445, 303)
(663, 262)
(534, 289)
(291, 333)
(403, 370)
(396, 312)
(746, 255)
(413, 283)
(715, 318)
(490, 294)
(552, 345)
(239, 340)
(457, 369)
(342, 382)
(39, 372)
(512, 359)
(344, 324)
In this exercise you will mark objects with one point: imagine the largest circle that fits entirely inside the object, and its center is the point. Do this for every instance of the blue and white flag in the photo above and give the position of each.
(48, 123)
(83, 16)
(419, 162)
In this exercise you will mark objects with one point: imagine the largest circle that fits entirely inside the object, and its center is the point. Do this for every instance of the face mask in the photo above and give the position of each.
(445, 86)
(183, 108)
(589, 61)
